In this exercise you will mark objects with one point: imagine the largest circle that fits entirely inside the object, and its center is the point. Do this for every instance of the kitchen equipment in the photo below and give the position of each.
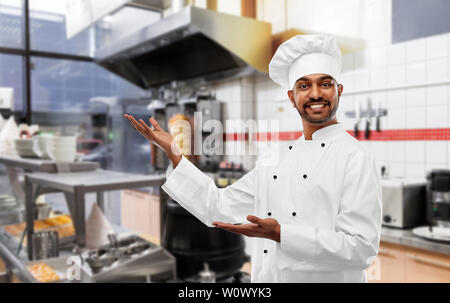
(45, 245)
(193, 44)
(158, 157)
(211, 110)
(378, 117)
(192, 243)
(368, 119)
(206, 275)
(403, 202)
(438, 197)
(441, 234)
(42, 211)
(128, 259)
(357, 117)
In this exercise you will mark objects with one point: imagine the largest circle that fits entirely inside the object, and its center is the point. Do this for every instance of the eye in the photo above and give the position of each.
(302, 86)
(326, 84)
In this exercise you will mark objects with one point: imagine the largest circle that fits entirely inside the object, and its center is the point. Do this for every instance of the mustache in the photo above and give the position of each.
(319, 100)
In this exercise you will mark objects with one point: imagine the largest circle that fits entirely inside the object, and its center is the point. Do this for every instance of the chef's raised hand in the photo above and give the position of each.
(268, 228)
(157, 136)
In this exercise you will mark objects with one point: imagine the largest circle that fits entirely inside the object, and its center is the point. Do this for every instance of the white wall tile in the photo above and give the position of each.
(448, 154)
(396, 75)
(416, 73)
(348, 62)
(396, 151)
(362, 80)
(379, 99)
(430, 166)
(437, 95)
(378, 57)
(396, 118)
(437, 116)
(416, 97)
(416, 50)
(416, 117)
(396, 169)
(437, 70)
(436, 151)
(379, 150)
(396, 54)
(415, 151)
(437, 47)
(396, 98)
(378, 78)
(415, 170)
(349, 82)
(362, 59)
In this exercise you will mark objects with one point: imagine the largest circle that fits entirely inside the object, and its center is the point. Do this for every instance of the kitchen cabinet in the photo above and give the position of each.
(2, 266)
(399, 264)
(389, 266)
(140, 211)
(424, 266)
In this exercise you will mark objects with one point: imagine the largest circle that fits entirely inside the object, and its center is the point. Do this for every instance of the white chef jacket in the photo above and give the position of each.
(324, 192)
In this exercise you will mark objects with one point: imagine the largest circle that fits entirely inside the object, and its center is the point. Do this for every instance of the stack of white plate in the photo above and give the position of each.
(24, 148)
(62, 149)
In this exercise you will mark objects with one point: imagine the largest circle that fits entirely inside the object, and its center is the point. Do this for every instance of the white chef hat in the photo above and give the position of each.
(304, 55)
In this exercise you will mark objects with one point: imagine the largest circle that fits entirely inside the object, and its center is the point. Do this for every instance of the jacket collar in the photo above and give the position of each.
(326, 133)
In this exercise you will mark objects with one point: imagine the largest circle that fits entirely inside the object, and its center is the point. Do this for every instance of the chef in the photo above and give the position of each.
(315, 214)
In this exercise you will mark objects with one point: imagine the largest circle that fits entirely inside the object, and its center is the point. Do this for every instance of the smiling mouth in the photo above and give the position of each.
(317, 107)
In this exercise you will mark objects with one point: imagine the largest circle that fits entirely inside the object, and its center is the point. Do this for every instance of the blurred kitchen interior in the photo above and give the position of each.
(73, 69)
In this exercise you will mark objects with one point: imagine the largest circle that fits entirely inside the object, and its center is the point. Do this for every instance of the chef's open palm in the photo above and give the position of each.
(157, 135)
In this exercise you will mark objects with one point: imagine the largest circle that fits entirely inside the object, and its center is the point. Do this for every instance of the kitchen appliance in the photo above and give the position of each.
(157, 110)
(403, 202)
(128, 259)
(438, 197)
(212, 138)
(192, 243)
(194, 45)
(207, 275)
(45, 244)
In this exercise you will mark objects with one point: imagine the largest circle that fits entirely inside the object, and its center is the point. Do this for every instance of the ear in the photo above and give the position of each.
(340, 89)
(291, 97)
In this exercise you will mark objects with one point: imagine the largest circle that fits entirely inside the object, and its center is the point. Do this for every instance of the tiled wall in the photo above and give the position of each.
(411, 80)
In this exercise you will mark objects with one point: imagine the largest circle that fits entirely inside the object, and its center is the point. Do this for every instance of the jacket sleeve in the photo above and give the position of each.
(354, 242)
(198, 194)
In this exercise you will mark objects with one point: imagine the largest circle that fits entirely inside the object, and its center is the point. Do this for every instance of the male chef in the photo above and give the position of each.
(316, 213)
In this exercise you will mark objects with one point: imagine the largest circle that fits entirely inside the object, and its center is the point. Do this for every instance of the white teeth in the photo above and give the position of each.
(316, 106)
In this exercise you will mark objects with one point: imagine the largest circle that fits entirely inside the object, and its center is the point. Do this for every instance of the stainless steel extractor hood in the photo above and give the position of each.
(193, 44)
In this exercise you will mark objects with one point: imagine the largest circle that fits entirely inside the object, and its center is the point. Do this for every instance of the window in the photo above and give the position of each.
(48, 30)
(11, 76)
(11, 23)
(67, 85)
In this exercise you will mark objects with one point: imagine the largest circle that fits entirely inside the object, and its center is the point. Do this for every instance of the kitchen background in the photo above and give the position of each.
(396, 61)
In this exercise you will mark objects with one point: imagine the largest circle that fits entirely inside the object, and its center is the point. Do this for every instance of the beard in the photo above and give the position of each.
(332, 113)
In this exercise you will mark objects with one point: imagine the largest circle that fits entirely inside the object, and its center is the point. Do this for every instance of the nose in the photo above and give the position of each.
(315, 92)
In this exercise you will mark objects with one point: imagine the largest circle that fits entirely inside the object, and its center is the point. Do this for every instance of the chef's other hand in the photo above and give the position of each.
(262, 228)
(157, 136)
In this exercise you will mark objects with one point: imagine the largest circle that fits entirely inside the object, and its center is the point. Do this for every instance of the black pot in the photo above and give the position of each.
(192, 243)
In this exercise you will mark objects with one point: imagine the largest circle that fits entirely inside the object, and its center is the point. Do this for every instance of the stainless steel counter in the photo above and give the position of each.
(16, 263)
(407, 238)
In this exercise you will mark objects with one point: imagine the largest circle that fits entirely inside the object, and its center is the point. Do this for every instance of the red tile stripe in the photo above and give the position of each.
(426, 134)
